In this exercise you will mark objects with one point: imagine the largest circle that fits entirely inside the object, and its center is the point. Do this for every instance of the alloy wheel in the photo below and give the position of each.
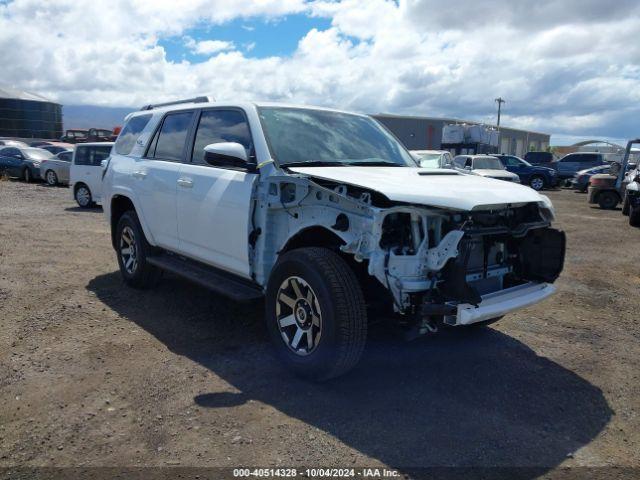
(83, 196)
(298, 315)
(51, 178)
(128, 250)
(537, 183)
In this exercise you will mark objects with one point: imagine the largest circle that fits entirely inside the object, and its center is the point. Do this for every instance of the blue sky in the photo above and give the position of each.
(256, 38)
(570, 68)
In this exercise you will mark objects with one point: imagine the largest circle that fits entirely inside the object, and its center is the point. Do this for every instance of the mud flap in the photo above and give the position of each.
(542, 254)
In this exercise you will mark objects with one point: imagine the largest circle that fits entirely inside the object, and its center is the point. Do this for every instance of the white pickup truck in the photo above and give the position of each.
(326, 216)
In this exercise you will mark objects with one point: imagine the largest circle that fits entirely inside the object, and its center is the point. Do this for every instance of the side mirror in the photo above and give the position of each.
(226, 154)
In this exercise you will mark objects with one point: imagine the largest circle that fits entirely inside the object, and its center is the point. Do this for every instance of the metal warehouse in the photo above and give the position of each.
(27, 115)
(420, 133)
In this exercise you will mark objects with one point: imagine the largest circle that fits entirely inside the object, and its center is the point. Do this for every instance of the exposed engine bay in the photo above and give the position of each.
(431, 260)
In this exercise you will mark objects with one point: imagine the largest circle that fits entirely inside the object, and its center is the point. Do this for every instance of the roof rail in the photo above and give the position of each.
(203, 99)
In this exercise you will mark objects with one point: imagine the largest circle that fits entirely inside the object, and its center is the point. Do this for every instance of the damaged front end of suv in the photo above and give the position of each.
(437, 264)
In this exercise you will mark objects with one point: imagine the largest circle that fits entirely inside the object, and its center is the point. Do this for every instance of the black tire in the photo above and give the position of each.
(26, 175)
(608, 200)
(139, 274)
(625, 206)
(341, 313)
(537, 182)
(634, 216)
(83, 196)
(51, 178)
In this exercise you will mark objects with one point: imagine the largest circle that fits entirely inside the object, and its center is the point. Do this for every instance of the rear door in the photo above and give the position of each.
(214, 201)
(155, 177)
(569, 165)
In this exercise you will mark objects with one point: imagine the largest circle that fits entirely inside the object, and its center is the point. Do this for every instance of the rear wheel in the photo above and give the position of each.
(536, 182)
(51, 177)
(315, 313)
(607, 200)
(133, 249)
(83, 196)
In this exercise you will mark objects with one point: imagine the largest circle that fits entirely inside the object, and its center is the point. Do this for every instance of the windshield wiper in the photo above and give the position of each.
(316, 163)
(375, 163)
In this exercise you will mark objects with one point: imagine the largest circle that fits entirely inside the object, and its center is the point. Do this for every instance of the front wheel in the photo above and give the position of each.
(26, 175)
(536, 182)
(83, 196)
(607, 200)
(315, 313)
(52, 178)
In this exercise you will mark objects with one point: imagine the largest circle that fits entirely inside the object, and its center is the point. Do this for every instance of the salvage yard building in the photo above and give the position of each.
(425, 133)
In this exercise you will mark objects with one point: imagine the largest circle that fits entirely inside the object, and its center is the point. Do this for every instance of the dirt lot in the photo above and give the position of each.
(96, 374)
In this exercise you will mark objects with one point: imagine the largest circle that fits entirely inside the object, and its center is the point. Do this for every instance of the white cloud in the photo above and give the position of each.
(207, 47)
(568, 66)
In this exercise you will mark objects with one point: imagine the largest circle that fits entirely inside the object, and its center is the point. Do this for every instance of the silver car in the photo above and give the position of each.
(55, 170)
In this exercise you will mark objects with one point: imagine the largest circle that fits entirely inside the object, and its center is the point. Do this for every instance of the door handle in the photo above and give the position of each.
(185, 182)
(139, 174)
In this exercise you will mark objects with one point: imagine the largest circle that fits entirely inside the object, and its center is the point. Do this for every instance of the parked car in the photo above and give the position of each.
(85, 175)
(75, 135)
(229, 196)
(487, 166)
(572, 163)
(6, 142)
(536, 158)
(22, 162)
(433, 158)
(100, 135)
(58, 147)
(608, 189)
(40, 143)
(537, 177)
(55, 170)
(580, 180)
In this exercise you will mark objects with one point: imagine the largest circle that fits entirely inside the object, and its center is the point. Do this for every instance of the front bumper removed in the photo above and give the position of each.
(500, 303)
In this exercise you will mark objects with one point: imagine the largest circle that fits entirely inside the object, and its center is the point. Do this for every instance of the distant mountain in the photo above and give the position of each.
(86, 116)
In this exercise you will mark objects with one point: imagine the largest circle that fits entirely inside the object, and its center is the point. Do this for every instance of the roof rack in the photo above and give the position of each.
(203, 99)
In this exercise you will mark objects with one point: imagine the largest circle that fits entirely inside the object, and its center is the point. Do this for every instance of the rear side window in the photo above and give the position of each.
(217, 126)
(91, 155)
(130, 133)
(169, 141)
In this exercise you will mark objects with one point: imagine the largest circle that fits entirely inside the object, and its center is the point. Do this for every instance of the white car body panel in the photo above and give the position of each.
(438, 188)
(155, 182)
(213, 211)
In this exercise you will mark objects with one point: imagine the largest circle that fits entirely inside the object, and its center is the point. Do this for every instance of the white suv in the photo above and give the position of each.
(328, 217)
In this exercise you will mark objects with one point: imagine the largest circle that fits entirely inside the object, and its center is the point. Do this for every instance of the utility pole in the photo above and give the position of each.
(500, 101)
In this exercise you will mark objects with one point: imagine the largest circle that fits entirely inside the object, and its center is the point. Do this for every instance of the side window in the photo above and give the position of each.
(217, 126)
(82, 156)
(97, 154)
(511, 161)
(171, 139)
(570, 158)
(91, 155)
(65, 156)
(130, 133)
(10, 152)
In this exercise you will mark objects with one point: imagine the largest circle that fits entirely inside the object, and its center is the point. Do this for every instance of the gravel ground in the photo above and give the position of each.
(93, 373)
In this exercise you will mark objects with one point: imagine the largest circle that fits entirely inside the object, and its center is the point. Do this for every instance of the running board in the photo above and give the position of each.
(219, 281)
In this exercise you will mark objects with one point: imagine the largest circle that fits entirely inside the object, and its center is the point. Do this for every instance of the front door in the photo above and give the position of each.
(214, 201)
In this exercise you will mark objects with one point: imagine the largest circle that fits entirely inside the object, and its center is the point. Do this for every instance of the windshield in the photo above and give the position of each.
(429, 160)
(487, 163)
(37, 153)
(299, 136)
